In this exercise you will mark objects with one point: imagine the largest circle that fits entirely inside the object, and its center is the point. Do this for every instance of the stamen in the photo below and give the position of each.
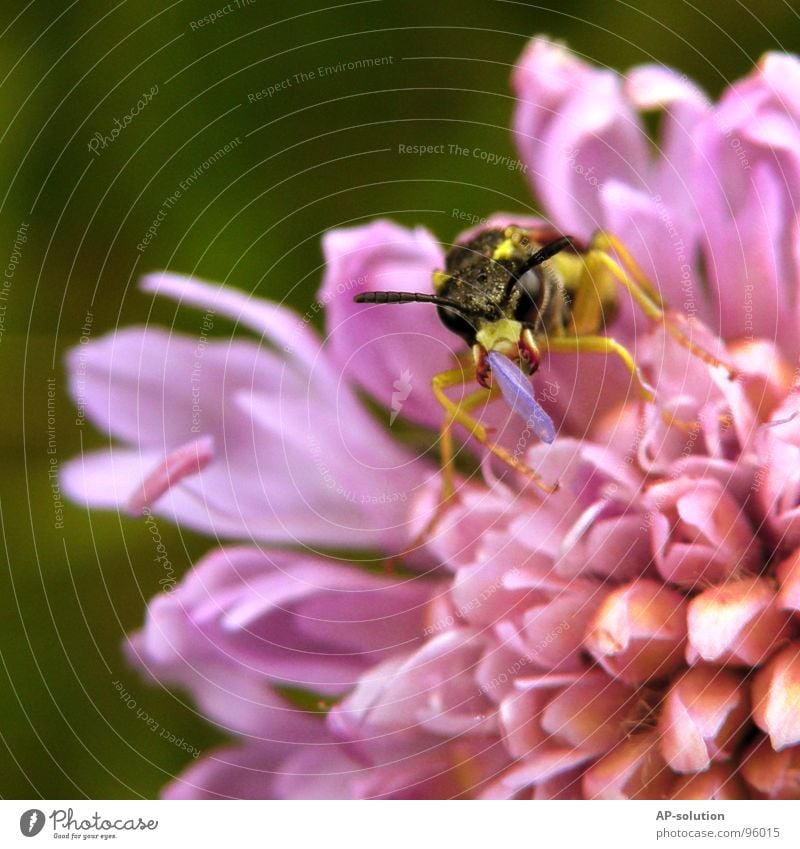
(190, 459)
(783, 421)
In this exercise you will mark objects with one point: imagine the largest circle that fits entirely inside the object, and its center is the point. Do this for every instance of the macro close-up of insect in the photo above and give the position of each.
(533, 538)
(513, 294)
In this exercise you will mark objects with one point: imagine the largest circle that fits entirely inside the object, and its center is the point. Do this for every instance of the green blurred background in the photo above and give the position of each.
(316, 154)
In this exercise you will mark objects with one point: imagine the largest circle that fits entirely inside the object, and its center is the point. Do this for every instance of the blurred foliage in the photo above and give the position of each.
(318, 153)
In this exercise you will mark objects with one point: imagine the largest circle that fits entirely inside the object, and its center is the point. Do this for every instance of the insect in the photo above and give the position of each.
(512, 294)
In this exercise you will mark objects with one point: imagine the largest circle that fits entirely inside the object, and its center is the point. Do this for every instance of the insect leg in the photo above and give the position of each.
(459, 413)
(598, 345)
(447, 379)
(632, 278)
(606, 345)
(607, 242)
(455, 377)
(440, 382)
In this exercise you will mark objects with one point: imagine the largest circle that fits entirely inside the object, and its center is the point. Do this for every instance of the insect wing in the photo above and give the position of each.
(518, 393)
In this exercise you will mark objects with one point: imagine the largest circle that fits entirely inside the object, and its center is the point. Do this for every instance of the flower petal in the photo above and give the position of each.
(632, 770)
(391, 351)
(703, 717)
(737, 623)
(639, 631)
(771, 774)
(720, 782)
(776, 698)
(273, 617)
(575, 131)
(281, 326)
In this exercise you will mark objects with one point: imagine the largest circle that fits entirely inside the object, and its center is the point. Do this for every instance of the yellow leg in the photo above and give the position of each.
(459, 413)
(597, 345)
(606, 345)
(446, 453)
(606, 242)
(632, 278)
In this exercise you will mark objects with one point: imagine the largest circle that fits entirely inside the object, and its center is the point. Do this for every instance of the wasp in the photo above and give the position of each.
(513, 294)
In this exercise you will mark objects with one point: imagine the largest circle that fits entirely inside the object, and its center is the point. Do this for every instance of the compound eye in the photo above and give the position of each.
(456, 323)
(530, 285)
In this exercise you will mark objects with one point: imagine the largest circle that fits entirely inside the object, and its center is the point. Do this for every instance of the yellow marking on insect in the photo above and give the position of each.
(569, 267)
(506, 250)
(500, 335)
(439, 279)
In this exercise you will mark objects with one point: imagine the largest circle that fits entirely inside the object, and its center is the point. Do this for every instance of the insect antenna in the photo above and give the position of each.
(544, 253)
(407, 298)
(537, 258)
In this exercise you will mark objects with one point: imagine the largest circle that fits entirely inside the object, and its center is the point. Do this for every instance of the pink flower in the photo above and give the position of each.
(376, 349)
(722, 186)
(632, 635)
(779, 472)
(276, 617)
(273, 465)
(704, 717)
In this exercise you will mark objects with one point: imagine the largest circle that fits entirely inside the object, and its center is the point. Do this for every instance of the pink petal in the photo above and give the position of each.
(639, 632)
(771, 774)
(106, 479)
(280, 617)
(554, 631)
(720, 782)
(741, 247)
(699, 532)
(433, 688)
(281, 326)
(788, 574)
(158, 389)
(574, 131)
(227, 773)
(391, 351)
(590, 714)
(737, 623)
(520, 722)
(544, 765)
(684, 105)
(703, 717)
(651, 229)
(285, 468)
(632, 770)
(776, 698)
